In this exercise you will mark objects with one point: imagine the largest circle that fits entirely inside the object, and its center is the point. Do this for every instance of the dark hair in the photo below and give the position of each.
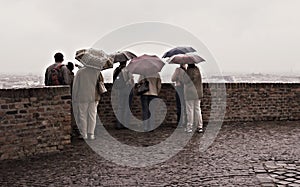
(191, 65)
(123, 63)
(70, 66)
(58, 57)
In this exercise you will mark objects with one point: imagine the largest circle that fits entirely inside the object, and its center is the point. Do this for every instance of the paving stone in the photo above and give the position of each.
(291, 168)
(290, 174)
(260, 171)
(281, 177)
(279, 172)
(280, 164)
(293, 185)
(283, 182)
(290, 179)
(268, 185)
(281, 169)
(264, 178)
(229, 161)
(270, 165)
(291, 165)
(273, 175)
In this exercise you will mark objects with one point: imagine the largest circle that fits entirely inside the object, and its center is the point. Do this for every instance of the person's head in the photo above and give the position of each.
(70, 66)
(191, 65)
(183, 66)
(58, 57)
(123, 63)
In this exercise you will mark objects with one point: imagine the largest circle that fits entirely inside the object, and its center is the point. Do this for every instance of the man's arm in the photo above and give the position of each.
(46, 78)
(175, 75)
(158, 84)
(66, 77)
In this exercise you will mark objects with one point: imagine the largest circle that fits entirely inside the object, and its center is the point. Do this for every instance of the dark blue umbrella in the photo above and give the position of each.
(178, 50)
(123, 56)
(185, 59)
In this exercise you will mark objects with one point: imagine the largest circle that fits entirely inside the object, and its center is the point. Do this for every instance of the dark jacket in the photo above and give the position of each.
(84, 85)
(64, 73)
(192, 80)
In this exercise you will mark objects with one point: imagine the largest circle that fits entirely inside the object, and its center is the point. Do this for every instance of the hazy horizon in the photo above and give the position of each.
(248, 36)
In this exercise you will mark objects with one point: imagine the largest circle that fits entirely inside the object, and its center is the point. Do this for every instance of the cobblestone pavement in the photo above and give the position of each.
(243, 154)
(280, 173)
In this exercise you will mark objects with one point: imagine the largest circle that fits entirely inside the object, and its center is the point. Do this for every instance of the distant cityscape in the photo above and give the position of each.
(31, 80)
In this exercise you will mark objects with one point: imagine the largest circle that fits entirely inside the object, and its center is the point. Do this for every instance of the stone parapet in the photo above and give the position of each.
(34, 121)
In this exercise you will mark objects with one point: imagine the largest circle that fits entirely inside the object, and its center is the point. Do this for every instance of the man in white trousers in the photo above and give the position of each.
(85, 98)
(193, 92)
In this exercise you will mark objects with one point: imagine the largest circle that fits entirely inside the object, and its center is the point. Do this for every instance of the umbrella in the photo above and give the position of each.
(145, 65)
(185, 59)
(94, 58)
(178, 50)
(123, 56)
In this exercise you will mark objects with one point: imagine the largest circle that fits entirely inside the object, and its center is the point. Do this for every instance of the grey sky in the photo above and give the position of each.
(243, 35)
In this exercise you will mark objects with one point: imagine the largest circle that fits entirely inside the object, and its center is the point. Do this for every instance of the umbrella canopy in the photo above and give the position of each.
(123, 56)
(185, 59)
(94, 58)
(145, 65)
(178, 50)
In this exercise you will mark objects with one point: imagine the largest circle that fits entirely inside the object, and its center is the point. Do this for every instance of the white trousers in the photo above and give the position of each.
(86, 114)
(193, 111)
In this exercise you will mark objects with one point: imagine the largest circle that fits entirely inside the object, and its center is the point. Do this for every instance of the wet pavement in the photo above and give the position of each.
(243, 154)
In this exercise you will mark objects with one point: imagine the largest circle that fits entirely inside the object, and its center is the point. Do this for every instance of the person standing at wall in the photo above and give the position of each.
(70, 67)
(85, 100)
(193, 92)
(179, 87)
(75, 130)
(123, 83)
(57, 73)
(147, 97)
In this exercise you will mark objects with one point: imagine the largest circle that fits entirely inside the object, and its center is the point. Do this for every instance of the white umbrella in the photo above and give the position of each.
(185, 59)
(94, 58)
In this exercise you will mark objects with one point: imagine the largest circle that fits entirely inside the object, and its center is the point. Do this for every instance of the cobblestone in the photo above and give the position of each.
(286, 176)
(240, 153)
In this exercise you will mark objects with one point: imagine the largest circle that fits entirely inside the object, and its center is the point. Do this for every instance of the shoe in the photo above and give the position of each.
(92, 137)
(200, 130)
(120, 127)
(189, 127)
(83, 137)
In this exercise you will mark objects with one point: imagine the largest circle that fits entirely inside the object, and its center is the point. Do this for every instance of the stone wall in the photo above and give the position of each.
(34, 121)
(243, 101)
(38, 120)
(263, 102)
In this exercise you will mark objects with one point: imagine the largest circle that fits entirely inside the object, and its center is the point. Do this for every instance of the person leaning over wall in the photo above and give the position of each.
(57, 73)
(86, 97)
(123, 83)
(70, 67)
(193, 92)
(180, 102)
(147, 97)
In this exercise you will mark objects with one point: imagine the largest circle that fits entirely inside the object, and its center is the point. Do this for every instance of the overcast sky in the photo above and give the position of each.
(247, 36)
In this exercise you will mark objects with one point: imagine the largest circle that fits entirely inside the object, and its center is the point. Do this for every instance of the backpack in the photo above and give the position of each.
(119, 81)
(55, 77)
